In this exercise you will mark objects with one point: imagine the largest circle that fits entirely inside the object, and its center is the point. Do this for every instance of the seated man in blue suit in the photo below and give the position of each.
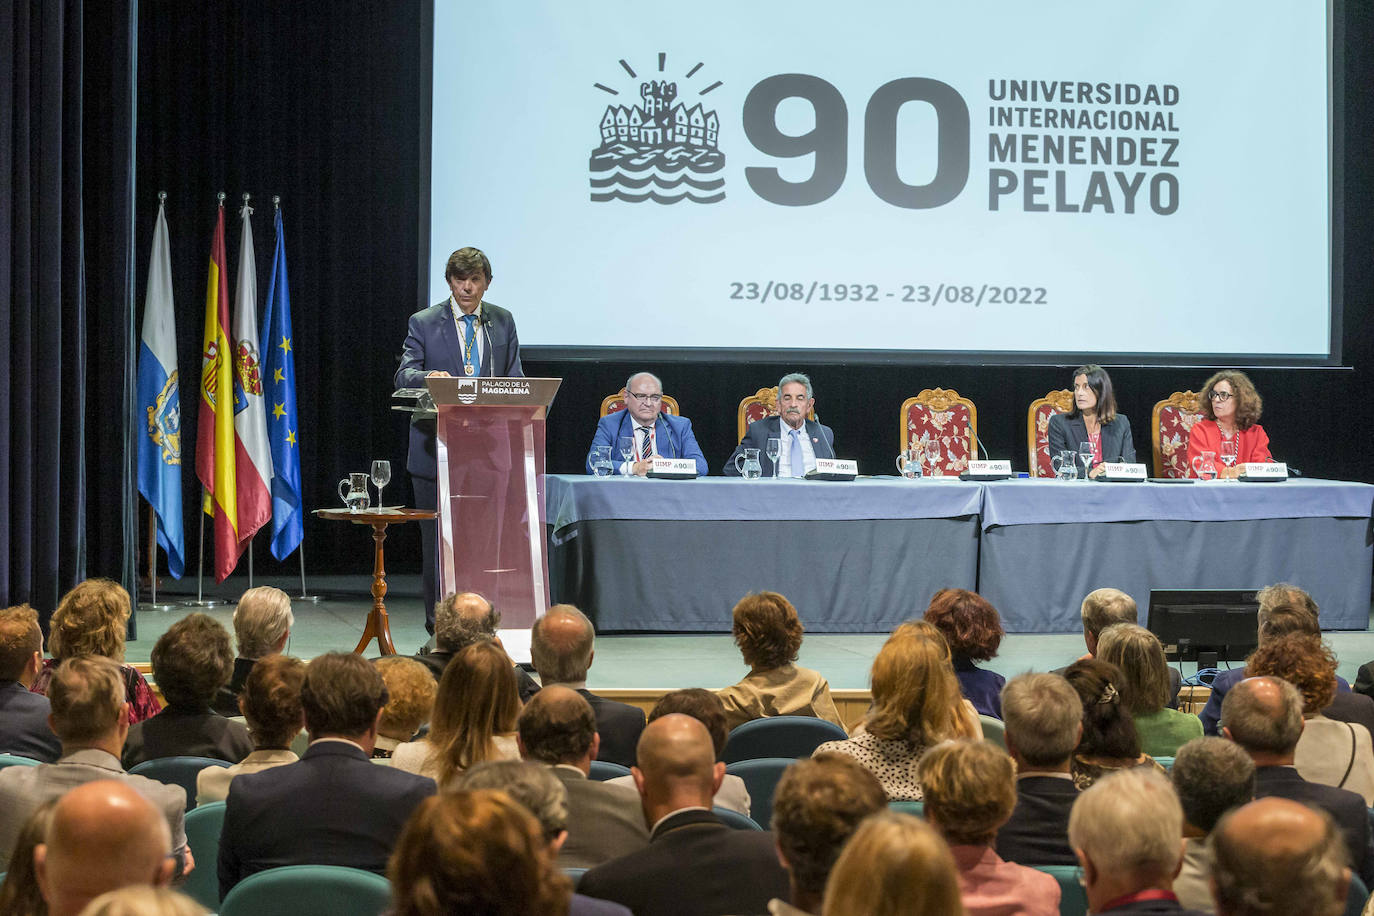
(800, 441)
(667, 436)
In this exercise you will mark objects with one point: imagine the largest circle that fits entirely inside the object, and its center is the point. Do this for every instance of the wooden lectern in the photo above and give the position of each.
(490, 447)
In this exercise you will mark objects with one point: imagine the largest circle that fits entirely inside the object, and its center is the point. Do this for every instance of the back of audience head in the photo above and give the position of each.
(88, 701)
(262, 622)
(676, 766)
(1103, 608)
(1126, 830)
(410, 692)
(1288, 618)
(970, 790)
(894, 865)
(1303, 661)
(1108, 729)
(1264, 716)
(103, 836)
(557, 726)
(1211, 776)
(529, 785)
(562, 644)
(341, 696)
(91, 619)
(818, 805)
(916, 697)
(192, 661)
(766, 630)
(475, 852)
(1137, 652)
(971, 626)
(1043, 716)
(462, 619)
(271, 700)
(478, 698)
(21, 644)
(143, 901)
(19, 892)
(1276, 856)
(702, 705)
(1282, 594)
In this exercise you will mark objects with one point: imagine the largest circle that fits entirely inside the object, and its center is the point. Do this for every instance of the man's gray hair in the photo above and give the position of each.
(1258, 725)
(1212, 776)
(565, 662)
(463, 619)
(1130, 824)
(657, 383)
(1042, 713)
(262, 618)
(798, 377)
(1104, 607)
(529, 784)
(1253, 879)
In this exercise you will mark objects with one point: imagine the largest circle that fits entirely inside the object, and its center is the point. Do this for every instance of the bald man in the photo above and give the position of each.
(460, 620)
(1278, 856)
(694, 864)
(562, 646)
(103, 836)
(655, 433)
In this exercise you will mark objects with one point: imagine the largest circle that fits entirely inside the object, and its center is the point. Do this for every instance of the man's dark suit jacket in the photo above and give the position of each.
(1038, 832)
(432, 344)
(619, 725)
(227, 700)
(1346, 809)
(1069, 434)
(1211, 713)
(334, 807)
(760, 431)
(178, 732)
(438, 660)
(24, 724)
(694, 866)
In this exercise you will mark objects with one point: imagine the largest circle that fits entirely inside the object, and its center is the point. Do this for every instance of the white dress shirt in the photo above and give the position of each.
(784, 466)
(478, 341)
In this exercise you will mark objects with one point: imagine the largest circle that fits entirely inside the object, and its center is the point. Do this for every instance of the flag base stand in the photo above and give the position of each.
(203, 602)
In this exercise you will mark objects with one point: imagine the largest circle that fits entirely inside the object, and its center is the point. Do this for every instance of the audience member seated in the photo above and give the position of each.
(557, 728)
(1105, 607)
(90, 716)
(141, 900)
(191, 662)
(916, 704)
(894, 865)
(706, 708)
(474, 717)
(1210, 776)
(1277, 856)
(1144, 688)
(19, 892)
(475, 852)
(970, 791)
(333, 807)
(459, 621)
(93, 619)
(271, 703)
(694, 865)
(1126, 830)
(1345, 705)
(1109, 741)
(262, 626)
(538, 791)
(973, 630)
(1044, 719)
(1332, 753)
(24, 728)
(103, 836)
(818, 805)
(1264, 716)
(769, 636)
(410, 690)
(562, 647)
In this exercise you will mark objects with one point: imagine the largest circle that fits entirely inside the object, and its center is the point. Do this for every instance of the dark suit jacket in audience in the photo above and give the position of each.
(178, 732)
(334, 807)
(604, 822)
(1038, 832)
(227, 700)
(24, 724)
(438, 660)
(1346, 809)
(619, 725)
(694, 866)
(1351, 707)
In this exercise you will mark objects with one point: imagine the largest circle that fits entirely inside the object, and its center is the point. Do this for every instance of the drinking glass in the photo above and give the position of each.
(771, 450)
(933, 456)
(1229, 452)
(381, 476)
(1085, 457)
(601, 461)
(625, 447)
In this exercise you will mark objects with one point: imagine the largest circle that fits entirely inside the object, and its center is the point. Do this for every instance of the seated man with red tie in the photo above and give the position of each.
(655, 434)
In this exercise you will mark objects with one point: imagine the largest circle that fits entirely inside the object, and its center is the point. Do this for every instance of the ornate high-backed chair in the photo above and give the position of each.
(1170, 422)
(615, 402)
(1038, 429)
(941, 416)
(761, 405)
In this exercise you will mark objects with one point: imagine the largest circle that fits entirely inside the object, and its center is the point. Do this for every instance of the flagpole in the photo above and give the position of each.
(152, 560)
(201, 600)
(304, 596)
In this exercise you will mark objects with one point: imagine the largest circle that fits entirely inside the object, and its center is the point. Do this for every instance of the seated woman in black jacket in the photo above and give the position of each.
(1093, 420)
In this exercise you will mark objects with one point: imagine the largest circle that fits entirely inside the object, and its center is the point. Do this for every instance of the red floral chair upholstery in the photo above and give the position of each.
(1170, 422)
(758, 406)
(1038, 429)
(942, 418)
(616, 402)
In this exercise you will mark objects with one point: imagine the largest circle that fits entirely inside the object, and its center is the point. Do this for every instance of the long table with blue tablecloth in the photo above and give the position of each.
(865, 555)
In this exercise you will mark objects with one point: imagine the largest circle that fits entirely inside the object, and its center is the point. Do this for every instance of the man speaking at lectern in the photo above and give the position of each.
(461, 336)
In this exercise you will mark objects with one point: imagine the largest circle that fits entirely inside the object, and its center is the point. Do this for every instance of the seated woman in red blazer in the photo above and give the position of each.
(1231, 408)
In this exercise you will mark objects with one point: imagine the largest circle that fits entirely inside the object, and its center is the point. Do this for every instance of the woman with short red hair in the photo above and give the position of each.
(973, 629)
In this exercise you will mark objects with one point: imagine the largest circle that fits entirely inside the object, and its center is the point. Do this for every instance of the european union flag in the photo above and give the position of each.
(279, 390)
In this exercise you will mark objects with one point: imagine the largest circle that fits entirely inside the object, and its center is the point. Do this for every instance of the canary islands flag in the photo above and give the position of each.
(279, 387)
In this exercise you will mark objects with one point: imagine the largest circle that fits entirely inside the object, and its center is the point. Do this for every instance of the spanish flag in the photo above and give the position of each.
(215, 426)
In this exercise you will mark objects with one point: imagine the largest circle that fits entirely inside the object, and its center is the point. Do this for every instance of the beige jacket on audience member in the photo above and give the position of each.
(212, 783)
(787, 691)
(1327, 749)
(419, 756)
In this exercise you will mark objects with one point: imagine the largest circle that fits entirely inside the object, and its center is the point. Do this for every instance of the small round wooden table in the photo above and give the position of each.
(378, 626)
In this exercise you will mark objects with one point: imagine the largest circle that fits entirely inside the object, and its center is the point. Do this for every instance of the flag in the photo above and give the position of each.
(252, 458)
(215, 425)
(159, 404)
(279, 380)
